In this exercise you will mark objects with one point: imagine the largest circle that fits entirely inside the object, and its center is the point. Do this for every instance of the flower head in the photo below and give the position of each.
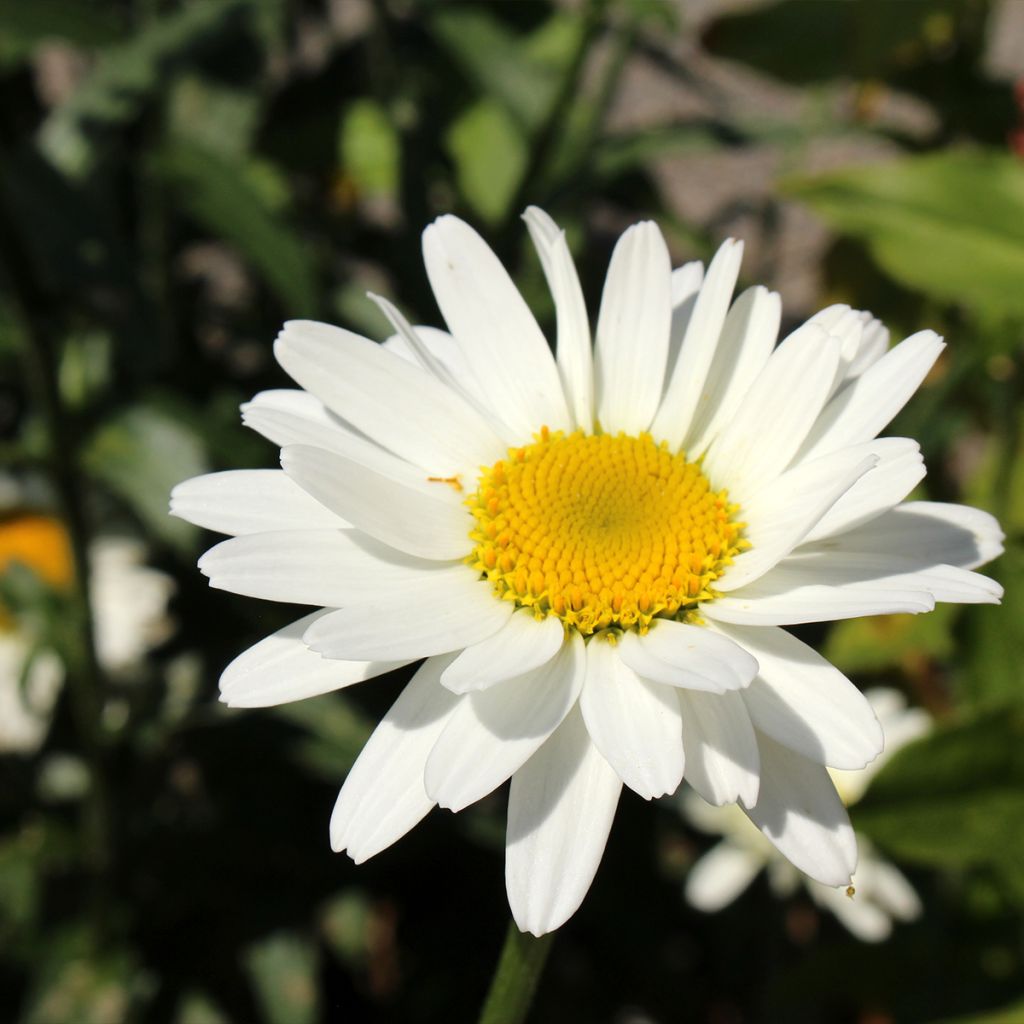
(594, 551)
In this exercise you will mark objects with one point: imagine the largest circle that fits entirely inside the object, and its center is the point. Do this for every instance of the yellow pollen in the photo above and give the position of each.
(602, 531)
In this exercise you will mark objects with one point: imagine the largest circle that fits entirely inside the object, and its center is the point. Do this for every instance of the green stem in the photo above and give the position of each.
(515, 980)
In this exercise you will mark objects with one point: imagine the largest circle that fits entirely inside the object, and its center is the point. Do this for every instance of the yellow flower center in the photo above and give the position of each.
(601, 531)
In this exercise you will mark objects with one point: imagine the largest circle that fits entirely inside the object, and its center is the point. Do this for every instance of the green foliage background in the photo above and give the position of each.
(176, 178)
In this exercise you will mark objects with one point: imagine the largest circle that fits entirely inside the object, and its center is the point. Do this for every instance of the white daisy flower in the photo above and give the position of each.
(881, 896)
(593, 551)
(129, 604)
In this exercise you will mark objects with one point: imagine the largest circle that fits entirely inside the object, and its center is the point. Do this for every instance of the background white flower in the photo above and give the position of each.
(882, 894)
(593, 551)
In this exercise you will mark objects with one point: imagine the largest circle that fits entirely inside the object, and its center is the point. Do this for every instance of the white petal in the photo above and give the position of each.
(635, 724)
(721, 752)
(931, 531)
(686, 656)
(520, 646)
(326, 567)
(864, 406)
(720, 876)
(799, 811)
(416, 516)
(494, 731)
(437, 613)
(900, 469)
(846, 326)
(383, 796)
(560, 811)
(365, 384)
(495, 329)
(804, 702)
(681, 397)
(281, 668)
(874, 343)
(776, 414)
(789, 595)
(573, 352)
(889, 888)
(857, 914)
(287, 416)
(241, 501)
(787, 508)
(748, 337)
(686, 282)
(441, 347)
(631, 346)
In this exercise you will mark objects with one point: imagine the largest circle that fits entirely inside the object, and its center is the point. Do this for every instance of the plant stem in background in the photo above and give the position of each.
(515, 980)
(32, 310)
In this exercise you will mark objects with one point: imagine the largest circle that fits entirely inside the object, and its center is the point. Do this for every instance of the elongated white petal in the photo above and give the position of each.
(560, 810)
(414, 515)
(799, 810)
(790, 594)
(383, 796)
(520, 646)
(573, 353)
(324, 567)
(686, 282)
(720, 876)
(364, 383)
(722, 762)
(446, 610)
(804, 702)
(495, 329)
(787, 508)
(281, 668)
(899, 470)
(846, 326)
(440, 346)
(690, 657)
(748, 337)
(631, 347)
(635, 724)
(929, 531)
(697, 349)
(866, 404)
(770, 425)
(287, 416)
(241, 501)
(874, 343)
(494, 731)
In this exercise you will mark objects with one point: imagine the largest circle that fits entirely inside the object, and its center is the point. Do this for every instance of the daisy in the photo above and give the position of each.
(129, 603)
(594, 551)
(881, 894)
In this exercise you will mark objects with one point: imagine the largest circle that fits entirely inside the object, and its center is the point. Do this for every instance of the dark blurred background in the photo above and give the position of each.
(176, 179)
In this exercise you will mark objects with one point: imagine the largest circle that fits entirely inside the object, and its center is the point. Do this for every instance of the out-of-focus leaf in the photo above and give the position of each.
(196, 1008)
(949, 225)
(84, 369)
(283, 973)
(140, 454)
(368, 148)
(229, 199)
(954, 798)
(125, 77)
(617, 154)
(806, 41)
(886, 641)
(1013, 1014)
(19, 881)
(489, 152)
(26, 25)
(336, 732)
(345, 925)
(523, 75)
(215, 116)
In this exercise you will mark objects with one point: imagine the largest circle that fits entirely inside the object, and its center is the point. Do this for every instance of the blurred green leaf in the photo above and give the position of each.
(140, 454)
(1012, 1014)
(196, 1008)
(954, 798)
(490, 156)
(218, 117)
(369, 148)
(522, 74)
(230, 199)
(620, 153)
(805, 41)
(26, 25)
(887, 641)
(126, 76)
(283, 973)
(336, 733)
(949, 225)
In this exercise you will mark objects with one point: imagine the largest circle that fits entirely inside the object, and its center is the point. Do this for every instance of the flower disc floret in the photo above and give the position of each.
(602, 530)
